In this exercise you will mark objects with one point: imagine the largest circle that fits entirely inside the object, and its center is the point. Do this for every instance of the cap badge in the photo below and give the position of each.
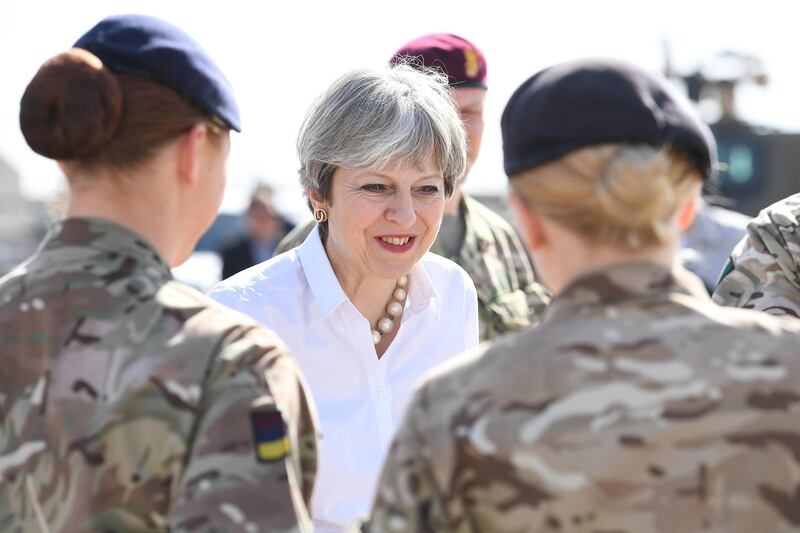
(471, 65)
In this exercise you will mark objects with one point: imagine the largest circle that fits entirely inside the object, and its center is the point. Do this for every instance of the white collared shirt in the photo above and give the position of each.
(360, 398)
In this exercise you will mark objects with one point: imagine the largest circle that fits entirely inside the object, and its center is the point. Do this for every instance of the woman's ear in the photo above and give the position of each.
(189, 149)
(316, 200)
(688, 210)
(530, 222)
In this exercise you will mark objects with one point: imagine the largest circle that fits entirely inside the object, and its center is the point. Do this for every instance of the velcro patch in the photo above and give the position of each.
(270, 440)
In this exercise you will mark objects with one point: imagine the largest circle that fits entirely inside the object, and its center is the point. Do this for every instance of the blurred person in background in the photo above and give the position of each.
(472, 235)
(362, 305)
(707, 244)
(763, 271)
(128, 401)
(264, 228)
(636, 404)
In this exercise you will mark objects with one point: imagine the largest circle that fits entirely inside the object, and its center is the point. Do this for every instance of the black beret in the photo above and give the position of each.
(587, 102)
(153, 48)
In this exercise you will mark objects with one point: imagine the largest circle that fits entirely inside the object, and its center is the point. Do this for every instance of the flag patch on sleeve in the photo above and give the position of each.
(269, 435)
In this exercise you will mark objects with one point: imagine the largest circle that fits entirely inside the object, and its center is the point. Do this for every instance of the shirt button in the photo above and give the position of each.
(377, 392)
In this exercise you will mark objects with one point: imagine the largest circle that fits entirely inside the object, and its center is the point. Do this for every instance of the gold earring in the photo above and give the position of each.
(320, 215)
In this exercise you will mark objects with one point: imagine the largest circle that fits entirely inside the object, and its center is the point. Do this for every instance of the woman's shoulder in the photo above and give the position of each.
(279, 273)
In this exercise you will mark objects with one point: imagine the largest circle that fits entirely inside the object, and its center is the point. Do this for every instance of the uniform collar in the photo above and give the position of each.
(478, 237)
(479, 234)
(107, 237)
(328, 292)
(623, 283)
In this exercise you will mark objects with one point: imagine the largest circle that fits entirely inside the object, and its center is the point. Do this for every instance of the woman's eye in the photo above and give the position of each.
(429, 189)
(374, 187)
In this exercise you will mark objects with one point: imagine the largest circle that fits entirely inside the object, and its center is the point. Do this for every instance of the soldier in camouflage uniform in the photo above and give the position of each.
(128, 401)
(487, 247)
(636, 404)
(763, 271)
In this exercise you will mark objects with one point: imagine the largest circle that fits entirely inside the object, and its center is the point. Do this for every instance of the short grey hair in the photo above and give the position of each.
(373, 118)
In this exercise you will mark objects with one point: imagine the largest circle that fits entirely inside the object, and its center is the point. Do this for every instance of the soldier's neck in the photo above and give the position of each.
(452, 203)
(149, 213)
(566, 257)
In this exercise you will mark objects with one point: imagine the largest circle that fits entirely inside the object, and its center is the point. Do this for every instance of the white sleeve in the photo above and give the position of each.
(471, 327)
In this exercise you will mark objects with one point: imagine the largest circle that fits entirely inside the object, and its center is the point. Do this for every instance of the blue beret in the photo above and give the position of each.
(587, 102)
(153, 48)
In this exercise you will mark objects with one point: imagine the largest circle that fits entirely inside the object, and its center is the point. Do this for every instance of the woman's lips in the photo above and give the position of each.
(396, 243)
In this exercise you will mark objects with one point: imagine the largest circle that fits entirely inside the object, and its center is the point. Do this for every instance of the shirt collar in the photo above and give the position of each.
(319, 273)
(108, 237)
(620, 284)
(422, 292)
(328, 291)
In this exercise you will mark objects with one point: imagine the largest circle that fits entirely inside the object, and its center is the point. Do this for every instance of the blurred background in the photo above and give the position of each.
(735, 60)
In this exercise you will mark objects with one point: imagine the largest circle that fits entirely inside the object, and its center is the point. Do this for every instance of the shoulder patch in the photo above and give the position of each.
(270, 440)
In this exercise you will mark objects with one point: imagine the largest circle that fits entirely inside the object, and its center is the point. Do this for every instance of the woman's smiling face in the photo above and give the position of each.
(381, 222)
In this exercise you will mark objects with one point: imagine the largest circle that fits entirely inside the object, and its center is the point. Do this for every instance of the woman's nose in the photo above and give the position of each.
(401, 209)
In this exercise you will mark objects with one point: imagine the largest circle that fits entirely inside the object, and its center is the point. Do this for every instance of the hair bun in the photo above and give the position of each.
(72, 107)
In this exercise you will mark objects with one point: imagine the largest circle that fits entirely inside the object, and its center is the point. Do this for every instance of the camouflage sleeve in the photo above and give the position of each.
(295, 237)
(761, 273)
(407, 498)
(537, 295)
(252, 458)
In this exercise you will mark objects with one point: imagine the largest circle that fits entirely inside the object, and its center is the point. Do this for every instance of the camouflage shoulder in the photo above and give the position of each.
(778, 228)
(770, 327)
(256, 450)
(295, 237)
(469, 373)
(762, 272)
(485, 218)
(213, 319)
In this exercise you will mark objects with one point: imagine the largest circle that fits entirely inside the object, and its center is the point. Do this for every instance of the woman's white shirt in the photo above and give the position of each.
(360, 399)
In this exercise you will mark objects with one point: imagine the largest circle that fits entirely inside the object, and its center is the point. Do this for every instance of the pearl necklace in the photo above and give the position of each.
(393, 310)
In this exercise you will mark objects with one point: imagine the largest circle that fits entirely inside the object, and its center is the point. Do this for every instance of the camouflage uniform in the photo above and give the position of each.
(764, 269)
(129, 401)
(509, 298)
(636, 405)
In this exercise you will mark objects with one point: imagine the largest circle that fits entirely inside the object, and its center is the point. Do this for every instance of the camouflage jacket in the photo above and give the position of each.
(509, 298)
(636, 405)
(130, 402)
(764, 269)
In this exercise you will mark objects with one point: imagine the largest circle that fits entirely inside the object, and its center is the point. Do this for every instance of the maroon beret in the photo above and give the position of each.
(461, 60)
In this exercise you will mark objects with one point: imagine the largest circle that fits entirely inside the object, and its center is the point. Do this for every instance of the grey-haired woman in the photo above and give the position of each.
(362, 305)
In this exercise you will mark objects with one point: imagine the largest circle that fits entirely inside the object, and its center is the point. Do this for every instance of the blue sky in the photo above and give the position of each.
(280, 55)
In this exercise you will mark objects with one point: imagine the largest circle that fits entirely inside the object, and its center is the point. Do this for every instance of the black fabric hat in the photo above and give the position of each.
(153, 48)
(583, 103)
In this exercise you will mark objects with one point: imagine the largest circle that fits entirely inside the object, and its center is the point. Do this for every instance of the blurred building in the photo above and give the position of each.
(22, 223)
(758, 165)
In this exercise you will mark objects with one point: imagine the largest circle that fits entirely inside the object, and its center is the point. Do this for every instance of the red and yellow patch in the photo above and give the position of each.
(270, 439)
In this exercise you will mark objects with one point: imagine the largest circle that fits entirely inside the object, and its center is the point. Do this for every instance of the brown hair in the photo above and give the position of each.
(76, 110)
(612, 194)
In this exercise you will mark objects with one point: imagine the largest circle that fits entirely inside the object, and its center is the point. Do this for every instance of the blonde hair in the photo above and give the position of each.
(613, 194)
